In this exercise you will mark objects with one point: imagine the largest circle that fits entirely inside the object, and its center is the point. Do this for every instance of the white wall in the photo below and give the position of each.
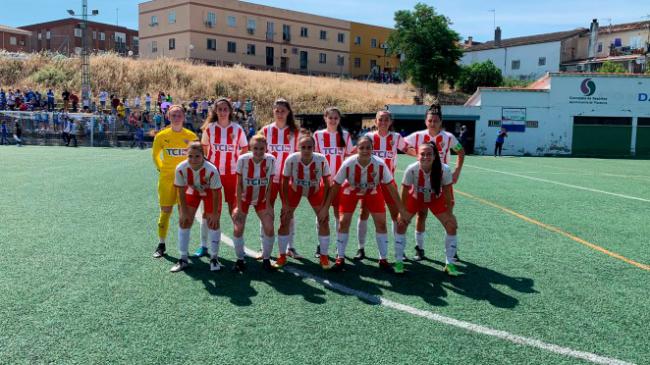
(528, 55)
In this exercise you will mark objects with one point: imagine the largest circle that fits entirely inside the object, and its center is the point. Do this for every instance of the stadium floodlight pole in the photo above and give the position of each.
(85, 53)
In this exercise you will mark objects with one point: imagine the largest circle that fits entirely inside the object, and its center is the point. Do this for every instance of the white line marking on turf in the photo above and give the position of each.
(468, 326)
(562, 184)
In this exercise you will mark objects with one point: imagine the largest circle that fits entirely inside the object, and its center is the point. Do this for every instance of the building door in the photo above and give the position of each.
(284, 62)
(601, 136)
(269, 56)
(643, 137)
(304, 62)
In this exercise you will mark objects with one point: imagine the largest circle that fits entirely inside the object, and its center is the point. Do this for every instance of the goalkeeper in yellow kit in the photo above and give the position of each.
(169, 149)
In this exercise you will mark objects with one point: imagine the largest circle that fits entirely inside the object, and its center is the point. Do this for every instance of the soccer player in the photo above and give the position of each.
(360, 178)
(445, 142)
(386, 143)
(282, 138)
(335, 144)
(255, 171)
(305, 174)
(427, 186)
(169, 149)
(196, 181)
(223, 142)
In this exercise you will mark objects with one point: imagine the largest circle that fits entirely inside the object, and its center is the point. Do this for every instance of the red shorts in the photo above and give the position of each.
(194, 199)
(258, 207)
(275, 191)
(316, 199)
(436, 206)
(384, 192)
(373, 202)
(229, 183)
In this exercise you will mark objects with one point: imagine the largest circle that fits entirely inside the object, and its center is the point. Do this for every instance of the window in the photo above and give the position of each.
(357, 62)
(322, 58)
(211, 20)
(373, 43)
(40, 36)
(286, 32)
(250, 49)
(618, 42)
(102, 36)
(340, 60)
(94, 34)
(232, 21)
(48, 34)
(600, 47)
(212, 44)
(304, 60)
(515, 64)
(13, 41)
(232, 47)
(323, 34)
(304, 32)
(341, 37)
(154, 46)
(135, 41)
(77, 32)
(532, 124)
(250, 26)
(270, 31)
(494, 123)
(119, 37)
(172, 43)
(541, 61)
(154, 21)
(357, 40)
(171, 17)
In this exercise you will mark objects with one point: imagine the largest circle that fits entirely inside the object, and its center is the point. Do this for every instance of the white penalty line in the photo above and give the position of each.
(563, 184)
(468, 326)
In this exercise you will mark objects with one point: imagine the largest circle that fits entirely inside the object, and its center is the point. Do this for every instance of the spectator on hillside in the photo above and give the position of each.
(136, 102)
(158, 120)
(50, 100)
(205, 107)
(501, 138)
(237, 106)
(11, 100)
(115, 102)
(18, 135)
(72, 134)
(74, 100)
(103, 96)
(147, 103)
(161, 99)
(194, 105)
(3, 99)
(189, 120)
(4, 134)
(138, 138)
(65, 95)
(249, 106)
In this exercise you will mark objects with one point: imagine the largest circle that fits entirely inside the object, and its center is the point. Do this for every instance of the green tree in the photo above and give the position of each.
(479, 74)
(611, 67)
(431, 50)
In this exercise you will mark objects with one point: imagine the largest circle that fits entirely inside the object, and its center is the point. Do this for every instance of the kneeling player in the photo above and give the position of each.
(305, 174)
(427, 186)
(198, 180)
(254, 172)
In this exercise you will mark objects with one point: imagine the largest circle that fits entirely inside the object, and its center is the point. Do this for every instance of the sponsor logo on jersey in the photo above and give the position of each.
(176, 152)
(366, 186)
(420, 189)
(384, 154)
(223, 147)
(332, 150)
(280, 148)
(304, 183)
(257, 182)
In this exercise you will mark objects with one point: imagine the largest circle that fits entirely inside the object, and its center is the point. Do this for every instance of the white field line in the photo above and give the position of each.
(468, 326)
(562, 184)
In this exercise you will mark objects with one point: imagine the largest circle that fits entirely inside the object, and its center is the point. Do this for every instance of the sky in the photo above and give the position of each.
(469, 17)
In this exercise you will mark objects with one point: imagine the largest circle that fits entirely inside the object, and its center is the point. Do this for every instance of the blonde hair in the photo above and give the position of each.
(257, 138)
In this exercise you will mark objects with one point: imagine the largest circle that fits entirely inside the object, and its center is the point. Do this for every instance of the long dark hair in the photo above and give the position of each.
(435, 176)
(339, 129)
(291, 121)
(213, 117)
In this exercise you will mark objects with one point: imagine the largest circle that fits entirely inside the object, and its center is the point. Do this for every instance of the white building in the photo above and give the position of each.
(527, 58)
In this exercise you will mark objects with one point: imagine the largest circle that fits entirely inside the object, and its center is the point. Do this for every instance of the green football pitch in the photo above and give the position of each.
(555, 261)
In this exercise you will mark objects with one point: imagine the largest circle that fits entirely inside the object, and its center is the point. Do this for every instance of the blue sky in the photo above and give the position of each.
(469, 17)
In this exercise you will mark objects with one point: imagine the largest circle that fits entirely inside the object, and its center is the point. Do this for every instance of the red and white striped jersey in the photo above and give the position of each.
(419, 182)
(224, 144)
(256, 177)
(197, 181)
(306, 179)
(328, 144)
(444, 140)
(360, 180)
(386, 147)
(280, 143)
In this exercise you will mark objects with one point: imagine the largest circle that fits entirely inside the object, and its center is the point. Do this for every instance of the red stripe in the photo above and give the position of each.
(369, 171)
(251, 172)
(300, 175)
(420, 184)
(262, 191)
(312, 177)
(274, 138)
(357, 176)
(202, 176)
(376, 142)
(190, 177)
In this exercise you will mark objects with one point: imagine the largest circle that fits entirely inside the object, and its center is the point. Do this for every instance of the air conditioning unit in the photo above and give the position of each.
(209, 24)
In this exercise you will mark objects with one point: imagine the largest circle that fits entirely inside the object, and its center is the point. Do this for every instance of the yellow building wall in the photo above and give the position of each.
(364, 52)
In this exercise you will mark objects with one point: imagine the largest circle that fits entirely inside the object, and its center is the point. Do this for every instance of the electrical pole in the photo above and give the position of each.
(85, 57)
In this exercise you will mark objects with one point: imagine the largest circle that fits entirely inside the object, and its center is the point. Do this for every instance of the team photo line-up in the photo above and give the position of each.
(324, 167)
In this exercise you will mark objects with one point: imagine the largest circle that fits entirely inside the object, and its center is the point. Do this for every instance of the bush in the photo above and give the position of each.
(512, 82)
(479, 74)
(611, 67)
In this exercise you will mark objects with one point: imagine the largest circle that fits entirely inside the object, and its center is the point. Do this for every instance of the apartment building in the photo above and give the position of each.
(14, 39)
(368, 50)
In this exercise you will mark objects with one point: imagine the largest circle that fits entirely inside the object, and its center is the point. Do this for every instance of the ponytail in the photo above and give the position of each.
(436, 171)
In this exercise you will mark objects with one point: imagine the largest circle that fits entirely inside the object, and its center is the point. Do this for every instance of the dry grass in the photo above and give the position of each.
(185, 81)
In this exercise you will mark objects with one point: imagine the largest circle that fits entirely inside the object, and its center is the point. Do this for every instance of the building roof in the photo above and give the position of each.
(75, 20)
(532, 39)
(624, 27)
(4, 28)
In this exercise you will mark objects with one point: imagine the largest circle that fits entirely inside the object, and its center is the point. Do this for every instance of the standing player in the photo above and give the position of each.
(282, 139)
(168, 150)
(335, 144)
(306, 174)
(223, 141)
(198, 180)
(385, 143)
(360, 178)
(445, 142)
(255, 170)
(427, 186)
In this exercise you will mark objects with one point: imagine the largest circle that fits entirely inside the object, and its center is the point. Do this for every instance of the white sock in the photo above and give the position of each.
(382, 245)
(292, 233)
(267, 246)
(362, 231)
(419, 239)
(393, 227)
(215, 238)
(204, 232)
(336, 225)
(183, 241)
(324, 242)
(400, 244)
(341, 244)
(283, 243)
(451, 243)
(262, 235)
(239, 247)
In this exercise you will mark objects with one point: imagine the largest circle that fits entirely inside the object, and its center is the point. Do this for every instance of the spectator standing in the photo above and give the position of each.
(205, 106)
(501, 138)
(3, 99)
(147, 103)
(11, 100)
(237, 106)
(249, 106)
(65, 95)
(194, 105)
(4, 134)
(74, 100)
(136, 102)
(72, 135)
(115, 102)
(161, 99)
(103, 96)
(18, 135)
(50, 100)
(158, 120)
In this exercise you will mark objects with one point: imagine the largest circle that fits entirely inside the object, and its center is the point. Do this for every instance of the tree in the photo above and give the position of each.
(431, 50)
(479, 74)
(611, 67)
